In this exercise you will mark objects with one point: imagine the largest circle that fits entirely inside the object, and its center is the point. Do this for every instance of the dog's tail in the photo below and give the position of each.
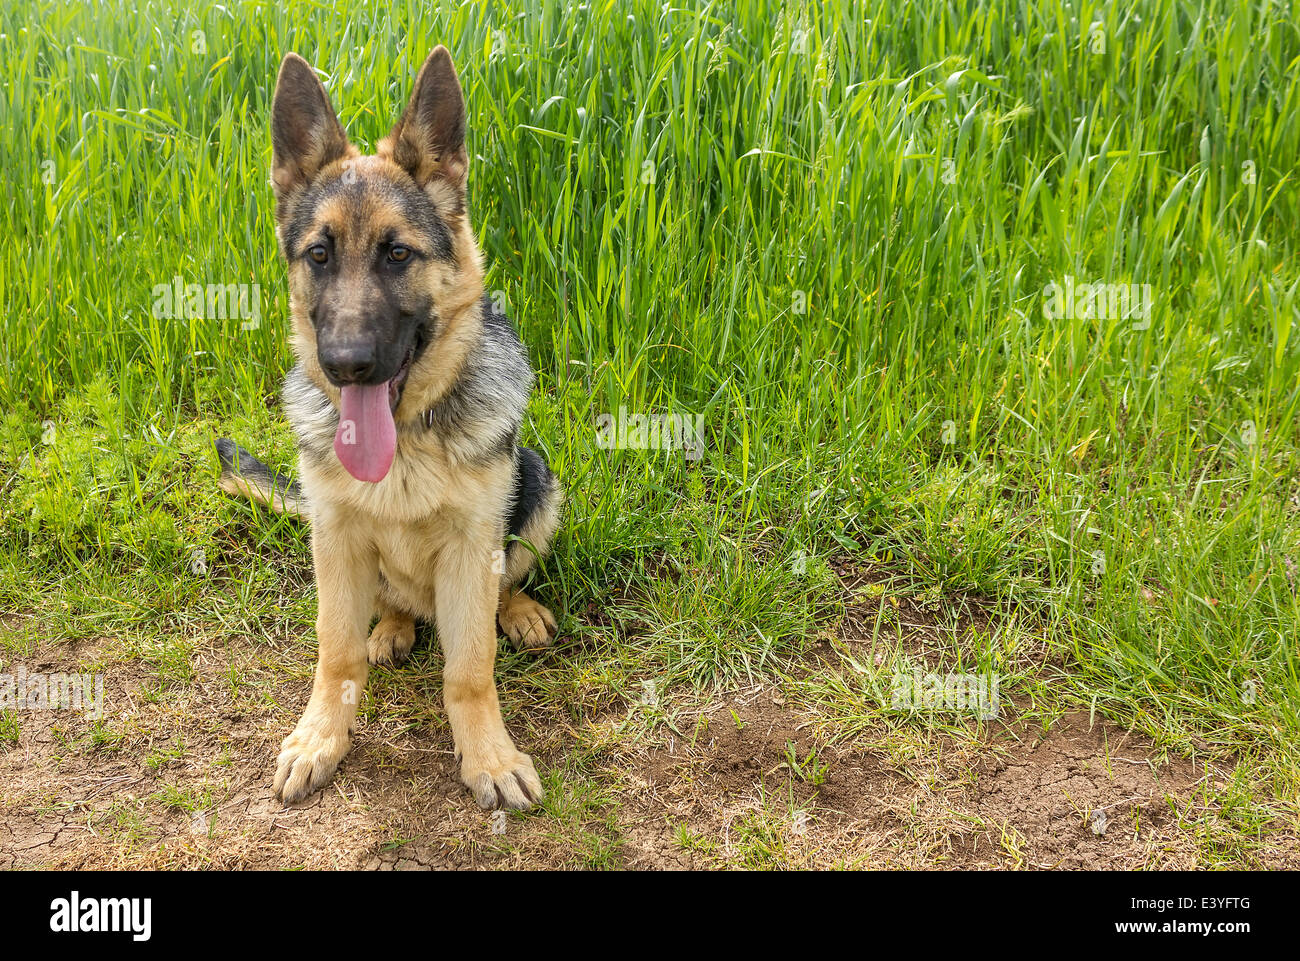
(244, 475)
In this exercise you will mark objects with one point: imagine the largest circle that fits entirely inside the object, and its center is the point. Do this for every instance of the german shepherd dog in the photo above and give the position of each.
(406, 401)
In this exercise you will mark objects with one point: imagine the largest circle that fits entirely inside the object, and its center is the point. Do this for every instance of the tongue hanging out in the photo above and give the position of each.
(367, 437)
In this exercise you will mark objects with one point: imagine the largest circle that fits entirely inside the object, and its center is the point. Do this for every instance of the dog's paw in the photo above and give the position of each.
(505, 780)
(307, 761)
(391, 640)
(529, 625)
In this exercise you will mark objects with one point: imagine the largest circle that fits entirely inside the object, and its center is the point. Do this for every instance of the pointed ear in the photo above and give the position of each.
(305, 132)
(429, 141)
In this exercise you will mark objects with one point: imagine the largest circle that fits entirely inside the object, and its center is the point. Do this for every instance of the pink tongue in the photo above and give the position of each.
(367, 437)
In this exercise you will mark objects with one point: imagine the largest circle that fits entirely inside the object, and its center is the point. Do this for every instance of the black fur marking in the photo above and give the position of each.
(418, 209)
(478, 417)
(493, 371)
(533, 486)
(301, 216)
(496, 325)
(453, 408)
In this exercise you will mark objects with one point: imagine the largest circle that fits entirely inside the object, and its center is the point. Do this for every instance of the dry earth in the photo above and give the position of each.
(180, 777)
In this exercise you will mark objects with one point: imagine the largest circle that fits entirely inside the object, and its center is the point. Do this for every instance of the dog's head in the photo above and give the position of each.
(384, 271)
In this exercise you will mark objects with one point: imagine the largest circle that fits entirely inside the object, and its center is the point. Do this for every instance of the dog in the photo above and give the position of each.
(406, 402)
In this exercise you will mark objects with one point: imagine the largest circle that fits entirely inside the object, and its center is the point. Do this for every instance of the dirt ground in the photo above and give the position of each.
(749, 778)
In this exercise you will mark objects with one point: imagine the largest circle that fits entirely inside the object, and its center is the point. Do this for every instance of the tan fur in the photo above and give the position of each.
(278, 502)
(457, 292)
(360, 532)
(393, 637)
(530, 624)
(431, 527)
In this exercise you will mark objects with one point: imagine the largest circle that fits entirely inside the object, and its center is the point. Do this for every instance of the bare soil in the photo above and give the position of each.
(181, 779)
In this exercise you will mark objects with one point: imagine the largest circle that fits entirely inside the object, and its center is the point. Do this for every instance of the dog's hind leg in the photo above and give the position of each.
(530, 625)
(393, 637)
(533, 520)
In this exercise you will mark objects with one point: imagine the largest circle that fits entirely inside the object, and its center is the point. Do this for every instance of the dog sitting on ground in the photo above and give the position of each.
(406, 401)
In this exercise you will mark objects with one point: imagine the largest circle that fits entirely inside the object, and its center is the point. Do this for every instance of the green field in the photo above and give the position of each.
(830, 230)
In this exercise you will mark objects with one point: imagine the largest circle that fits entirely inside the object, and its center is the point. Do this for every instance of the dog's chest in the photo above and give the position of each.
(407, 558)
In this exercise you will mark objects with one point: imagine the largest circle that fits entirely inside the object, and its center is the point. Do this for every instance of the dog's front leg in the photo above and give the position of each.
(466, 587)
(347, 580)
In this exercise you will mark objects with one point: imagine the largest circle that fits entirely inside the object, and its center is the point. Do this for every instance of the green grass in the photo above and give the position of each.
(826, 229)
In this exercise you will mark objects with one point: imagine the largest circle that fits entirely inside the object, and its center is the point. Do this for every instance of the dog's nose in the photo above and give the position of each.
(348, 363)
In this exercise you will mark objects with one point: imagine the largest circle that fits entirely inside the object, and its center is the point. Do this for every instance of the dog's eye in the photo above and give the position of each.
(399, 254)
(318, 253)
